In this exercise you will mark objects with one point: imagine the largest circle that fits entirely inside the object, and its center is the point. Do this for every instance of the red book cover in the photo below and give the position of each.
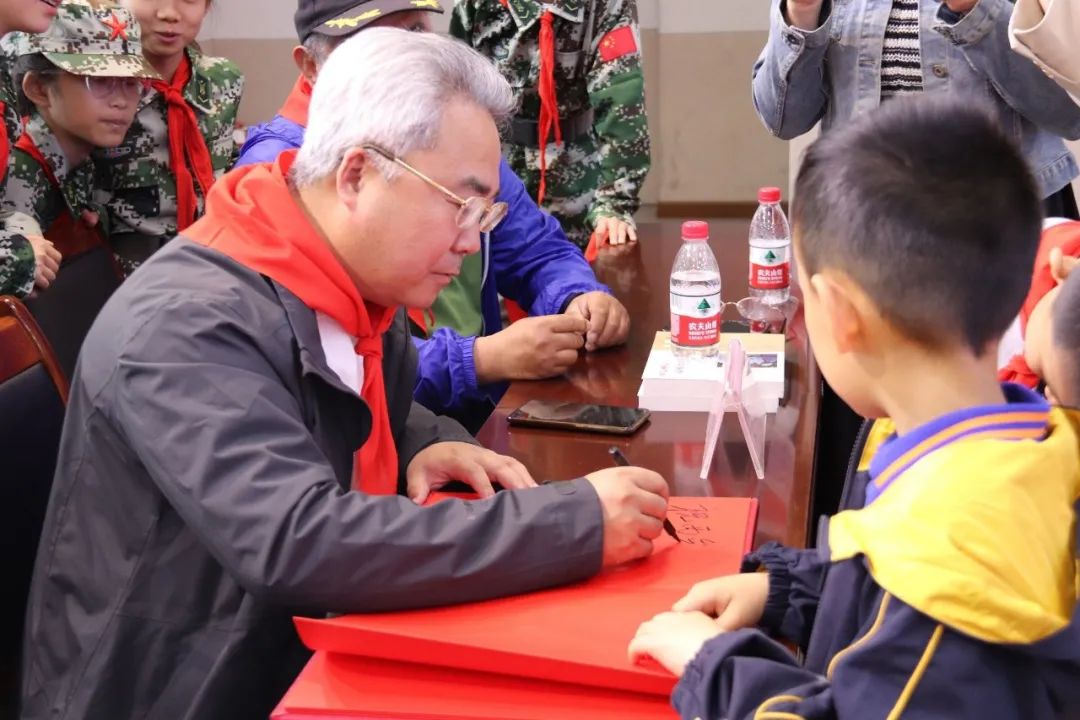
(332, 687)
(574, 634)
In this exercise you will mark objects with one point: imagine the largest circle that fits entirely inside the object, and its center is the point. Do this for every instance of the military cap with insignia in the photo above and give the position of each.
(336, 18)
(90, 37)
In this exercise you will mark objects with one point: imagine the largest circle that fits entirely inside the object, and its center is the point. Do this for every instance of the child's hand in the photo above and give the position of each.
(614, 231)
(47, 259)
(736, 601)
(673, 639)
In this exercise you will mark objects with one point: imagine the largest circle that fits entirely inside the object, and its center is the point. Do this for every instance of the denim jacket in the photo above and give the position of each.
(834, 73)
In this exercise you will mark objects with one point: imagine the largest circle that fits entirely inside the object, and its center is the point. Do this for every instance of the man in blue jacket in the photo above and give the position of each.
(467, 359)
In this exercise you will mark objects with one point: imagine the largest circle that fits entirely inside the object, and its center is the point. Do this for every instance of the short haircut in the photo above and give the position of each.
(930, 207)
(1065, 336)
(320, 46)
(389, 87)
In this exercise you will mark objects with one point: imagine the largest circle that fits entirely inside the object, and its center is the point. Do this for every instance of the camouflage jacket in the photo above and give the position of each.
(30, 191)
(17, 264)
(606, 76)
(136, 180)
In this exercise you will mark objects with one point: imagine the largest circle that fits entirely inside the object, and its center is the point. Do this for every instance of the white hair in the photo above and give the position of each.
(389, 87)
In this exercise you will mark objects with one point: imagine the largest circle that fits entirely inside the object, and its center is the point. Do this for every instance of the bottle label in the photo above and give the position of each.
(695, 319)
(770, 267)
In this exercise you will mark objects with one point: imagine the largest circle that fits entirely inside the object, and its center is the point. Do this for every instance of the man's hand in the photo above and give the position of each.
(441, 463)
(614, 231)
(673, 639)
(736, 601)
(634, 501)
(804, 14)
(47, 261)
(608, 321)
(533, 348)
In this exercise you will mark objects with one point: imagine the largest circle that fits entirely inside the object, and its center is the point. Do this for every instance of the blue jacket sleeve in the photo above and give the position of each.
(446, 375)
(265, 142)
(533, 263)
(796, 578)
(983, 35)
(789, 83)
(904, 664)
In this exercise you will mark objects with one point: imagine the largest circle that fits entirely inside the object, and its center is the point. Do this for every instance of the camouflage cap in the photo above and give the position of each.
(344, 17)
(91, 37)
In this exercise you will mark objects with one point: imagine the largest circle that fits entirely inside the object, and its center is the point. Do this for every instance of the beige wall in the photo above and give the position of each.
(708, 145)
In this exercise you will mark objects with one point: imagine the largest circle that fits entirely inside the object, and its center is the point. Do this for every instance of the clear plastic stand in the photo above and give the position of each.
(739, 394)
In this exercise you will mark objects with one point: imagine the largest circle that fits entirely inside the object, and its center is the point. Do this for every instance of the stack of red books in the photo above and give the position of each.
(557, 653)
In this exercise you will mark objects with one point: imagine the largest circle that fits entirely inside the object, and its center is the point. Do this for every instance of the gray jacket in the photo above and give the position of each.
(834, 73)
(201, 500)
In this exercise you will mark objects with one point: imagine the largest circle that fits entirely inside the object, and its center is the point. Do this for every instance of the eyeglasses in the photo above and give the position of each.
(105, 87)
(474, 211)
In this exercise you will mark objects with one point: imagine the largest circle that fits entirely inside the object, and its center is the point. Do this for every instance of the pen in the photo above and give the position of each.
(620, 459)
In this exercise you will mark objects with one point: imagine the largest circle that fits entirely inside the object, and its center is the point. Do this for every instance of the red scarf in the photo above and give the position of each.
(1067, 237)
(187, 147)
(5, 145)
(295, 110)
(297, 104)
(549, 101)
(253, 217)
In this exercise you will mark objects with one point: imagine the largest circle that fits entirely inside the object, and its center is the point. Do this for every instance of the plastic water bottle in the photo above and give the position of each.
(695, 294)
(770, 250)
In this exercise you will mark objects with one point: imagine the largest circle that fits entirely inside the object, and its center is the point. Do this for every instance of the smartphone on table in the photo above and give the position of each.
(579, 417)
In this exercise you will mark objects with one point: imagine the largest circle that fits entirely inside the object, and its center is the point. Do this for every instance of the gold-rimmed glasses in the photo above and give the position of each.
(473, 211)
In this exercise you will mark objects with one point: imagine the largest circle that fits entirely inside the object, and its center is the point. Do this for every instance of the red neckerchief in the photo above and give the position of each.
(189, 158)
(253, 217)
(296, 105)
(5, 145)
(549, 101)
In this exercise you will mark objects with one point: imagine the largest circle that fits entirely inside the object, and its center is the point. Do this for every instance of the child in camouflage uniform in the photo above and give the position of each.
(182, 137)
(576, 67)
(79, 85)
(27, 260)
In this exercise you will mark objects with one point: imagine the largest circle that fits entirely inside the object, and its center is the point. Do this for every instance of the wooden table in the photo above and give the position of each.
(673, 443)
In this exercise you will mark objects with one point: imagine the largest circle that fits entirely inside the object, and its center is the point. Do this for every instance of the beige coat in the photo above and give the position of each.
(1046, 31)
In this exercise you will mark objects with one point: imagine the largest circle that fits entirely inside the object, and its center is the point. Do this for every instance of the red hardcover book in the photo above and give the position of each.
(577, 634)
(333, 687)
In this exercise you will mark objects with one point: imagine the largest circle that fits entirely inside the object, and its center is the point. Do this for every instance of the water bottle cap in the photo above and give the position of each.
(768, 195)
(695, 230)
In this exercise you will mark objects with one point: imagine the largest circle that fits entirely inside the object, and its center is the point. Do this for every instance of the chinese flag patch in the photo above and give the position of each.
(618, 42)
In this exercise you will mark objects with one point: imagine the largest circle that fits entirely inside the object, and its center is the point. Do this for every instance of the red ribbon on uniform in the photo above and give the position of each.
(186, 146)
(549, 102)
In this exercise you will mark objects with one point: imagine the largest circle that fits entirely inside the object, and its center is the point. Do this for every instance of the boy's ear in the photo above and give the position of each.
(842, 309)
(35, 89)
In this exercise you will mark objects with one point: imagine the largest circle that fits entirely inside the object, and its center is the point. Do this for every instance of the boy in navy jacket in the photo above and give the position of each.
(947, 585)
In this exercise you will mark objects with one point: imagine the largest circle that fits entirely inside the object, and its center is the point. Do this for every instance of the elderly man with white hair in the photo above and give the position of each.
(207, 488)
